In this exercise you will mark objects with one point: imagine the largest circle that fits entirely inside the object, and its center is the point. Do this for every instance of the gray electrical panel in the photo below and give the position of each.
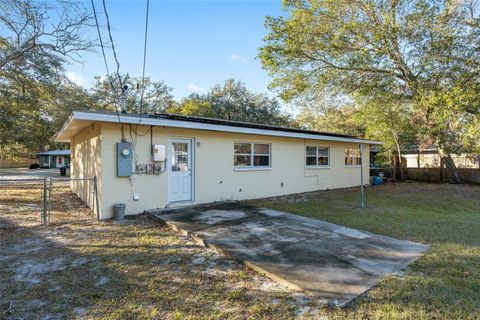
(124, 159)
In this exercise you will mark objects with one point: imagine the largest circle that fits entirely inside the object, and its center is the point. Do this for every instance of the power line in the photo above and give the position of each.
(100, 37)
(111, 41)
(115, 104)
(144, 57)
(142, 91)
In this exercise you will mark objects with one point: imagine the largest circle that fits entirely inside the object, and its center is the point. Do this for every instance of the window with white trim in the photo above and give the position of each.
(353, 157)
(317, 156)
(251, 155)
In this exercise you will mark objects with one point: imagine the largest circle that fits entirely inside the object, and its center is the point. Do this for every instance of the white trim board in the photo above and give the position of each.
(87, 116)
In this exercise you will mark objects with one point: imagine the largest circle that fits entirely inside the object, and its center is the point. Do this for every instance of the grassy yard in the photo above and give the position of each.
(445, 283)
(137, 269)
(141, 270)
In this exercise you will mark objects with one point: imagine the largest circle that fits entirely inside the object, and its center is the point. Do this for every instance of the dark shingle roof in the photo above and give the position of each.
(224, 122)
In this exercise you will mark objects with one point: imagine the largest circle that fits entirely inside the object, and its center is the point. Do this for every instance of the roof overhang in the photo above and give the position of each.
(79, 120)
(53, 153)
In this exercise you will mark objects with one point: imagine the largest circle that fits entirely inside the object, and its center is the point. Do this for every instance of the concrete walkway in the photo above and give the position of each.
(327, 260)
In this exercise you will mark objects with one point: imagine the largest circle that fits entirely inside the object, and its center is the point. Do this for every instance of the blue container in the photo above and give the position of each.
(376, 180)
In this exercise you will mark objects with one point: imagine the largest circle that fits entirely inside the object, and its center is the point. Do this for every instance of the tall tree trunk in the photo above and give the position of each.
(449, 165)
(399, 153)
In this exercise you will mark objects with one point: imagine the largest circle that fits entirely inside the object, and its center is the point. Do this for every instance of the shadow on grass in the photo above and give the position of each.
(47, 272)
(141, 270)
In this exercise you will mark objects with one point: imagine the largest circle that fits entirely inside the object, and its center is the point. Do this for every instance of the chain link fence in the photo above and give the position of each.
(22, 200)
(48, 200)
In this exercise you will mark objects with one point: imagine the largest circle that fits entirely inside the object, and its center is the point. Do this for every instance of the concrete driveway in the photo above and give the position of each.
(327, 260)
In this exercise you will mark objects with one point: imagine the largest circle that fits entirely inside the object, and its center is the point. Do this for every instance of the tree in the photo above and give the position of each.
(233, 101)
(390, 121)
(31, 112)
(36, 40)
(193, 105)
(327, 116)
(419, 51)
(157, 96)
(38, 37)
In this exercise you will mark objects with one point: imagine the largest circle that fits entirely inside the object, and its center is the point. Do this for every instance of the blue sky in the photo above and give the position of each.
(192, 45)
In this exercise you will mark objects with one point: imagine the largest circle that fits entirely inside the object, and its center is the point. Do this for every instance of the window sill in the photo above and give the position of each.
(316, 167)
(353, 166)
(252, 169)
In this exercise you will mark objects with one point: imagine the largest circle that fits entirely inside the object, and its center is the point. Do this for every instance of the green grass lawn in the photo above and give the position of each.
(445, 283)
(139, 269)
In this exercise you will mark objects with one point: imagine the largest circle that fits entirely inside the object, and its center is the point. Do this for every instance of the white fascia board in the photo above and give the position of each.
(78, 115)
(64, 127)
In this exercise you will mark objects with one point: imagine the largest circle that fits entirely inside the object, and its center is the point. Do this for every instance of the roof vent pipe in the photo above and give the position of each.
(124, 98)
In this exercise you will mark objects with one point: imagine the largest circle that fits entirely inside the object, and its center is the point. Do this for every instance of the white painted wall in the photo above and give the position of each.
(214, 176)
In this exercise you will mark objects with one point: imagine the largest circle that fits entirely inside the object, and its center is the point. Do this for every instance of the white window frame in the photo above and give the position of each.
(317, 166)
(359, 157)
(252, 154)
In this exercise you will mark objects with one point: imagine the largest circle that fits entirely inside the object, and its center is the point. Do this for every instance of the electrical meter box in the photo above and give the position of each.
(124, 159)
(158, 151)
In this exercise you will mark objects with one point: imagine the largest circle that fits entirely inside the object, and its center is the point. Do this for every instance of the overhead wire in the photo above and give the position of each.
(142, 90)
(144, 56)
(112, 43)
(105, 61)
(100, 37)
(118, 64)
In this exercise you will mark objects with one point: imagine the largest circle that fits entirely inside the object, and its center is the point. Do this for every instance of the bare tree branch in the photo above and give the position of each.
(28, 29)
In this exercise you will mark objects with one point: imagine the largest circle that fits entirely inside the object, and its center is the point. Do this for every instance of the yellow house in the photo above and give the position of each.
(162, 160)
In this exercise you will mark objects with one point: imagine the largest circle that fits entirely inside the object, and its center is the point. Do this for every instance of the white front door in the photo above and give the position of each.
(59, 161)
(179, 170)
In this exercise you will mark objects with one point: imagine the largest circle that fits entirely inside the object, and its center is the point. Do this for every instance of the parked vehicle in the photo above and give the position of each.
(34, 166)
(44, 165)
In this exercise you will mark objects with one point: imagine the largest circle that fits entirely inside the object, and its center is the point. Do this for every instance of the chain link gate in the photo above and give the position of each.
(71, 199)
(50, 200)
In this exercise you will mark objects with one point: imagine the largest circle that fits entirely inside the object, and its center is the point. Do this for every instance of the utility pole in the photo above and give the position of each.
(362, 191)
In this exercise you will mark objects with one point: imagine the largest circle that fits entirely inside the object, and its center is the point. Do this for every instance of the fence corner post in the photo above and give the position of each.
(95, 187)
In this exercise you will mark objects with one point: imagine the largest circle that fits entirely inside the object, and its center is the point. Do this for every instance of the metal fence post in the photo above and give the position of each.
(45, 201)
(362, 202)
(50, 188)
(95, 187)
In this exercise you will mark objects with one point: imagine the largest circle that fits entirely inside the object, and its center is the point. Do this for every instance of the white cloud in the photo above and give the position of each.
(194, 88)
(75, 78)
(236, 57)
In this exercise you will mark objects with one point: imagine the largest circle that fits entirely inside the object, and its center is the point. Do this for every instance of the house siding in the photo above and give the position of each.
(85, 162)
(214, 176)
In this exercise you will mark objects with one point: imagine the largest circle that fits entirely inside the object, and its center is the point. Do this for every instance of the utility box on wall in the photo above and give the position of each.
(124, 159)
(158, 151)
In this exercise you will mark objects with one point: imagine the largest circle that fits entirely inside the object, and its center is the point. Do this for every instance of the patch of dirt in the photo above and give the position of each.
(30, 270)
(136, 269)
